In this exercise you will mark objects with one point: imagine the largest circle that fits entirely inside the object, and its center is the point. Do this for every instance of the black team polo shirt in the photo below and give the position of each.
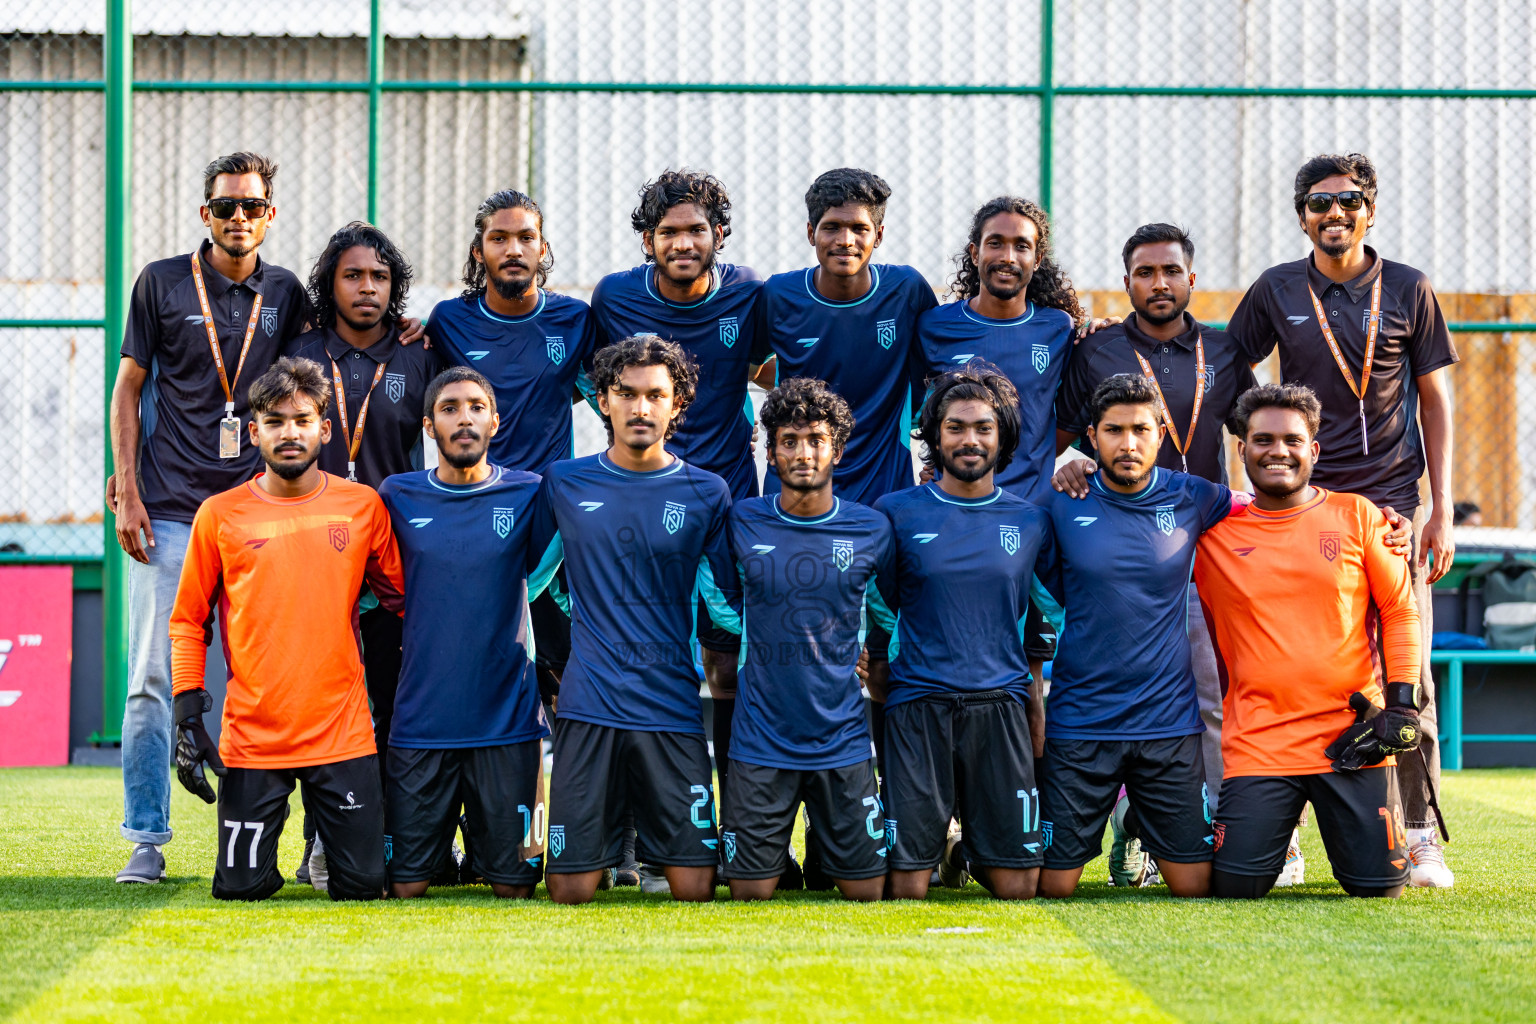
(1413, 340)
(183, 402)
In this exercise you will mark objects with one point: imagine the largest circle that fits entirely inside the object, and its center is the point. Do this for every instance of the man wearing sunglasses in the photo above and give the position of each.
(1368, 337)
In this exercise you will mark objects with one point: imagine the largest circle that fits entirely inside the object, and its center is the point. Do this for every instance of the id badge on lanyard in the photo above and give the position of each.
(1372, 329)
(229, 426)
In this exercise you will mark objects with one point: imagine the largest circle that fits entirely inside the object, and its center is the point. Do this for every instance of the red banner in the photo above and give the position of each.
(36, 624)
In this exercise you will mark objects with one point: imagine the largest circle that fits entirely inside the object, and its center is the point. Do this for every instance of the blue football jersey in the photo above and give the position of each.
(804, 585)
(473, 556)
(639, 550)
(716, 433)
(534, 364)
(963, 573)
(1032, 351)
(866, 351)
(1122, 668)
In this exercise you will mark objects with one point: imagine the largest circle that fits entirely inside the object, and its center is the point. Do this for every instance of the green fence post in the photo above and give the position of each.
(117, 56)
(1047, 97)
(375, 95)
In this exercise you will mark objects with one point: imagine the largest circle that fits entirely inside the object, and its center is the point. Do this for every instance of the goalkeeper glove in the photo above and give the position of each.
(1377, 732)
(193, 744)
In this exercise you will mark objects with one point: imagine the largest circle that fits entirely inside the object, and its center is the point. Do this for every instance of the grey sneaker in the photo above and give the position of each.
(319, 869)
(654, 880)
(1130, 867)
(146, 865)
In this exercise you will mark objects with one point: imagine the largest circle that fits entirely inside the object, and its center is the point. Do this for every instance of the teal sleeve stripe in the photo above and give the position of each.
(588, 390)
(1053, 612)
(544, 573)
(719, 608)
(748, 411)
(878, 610)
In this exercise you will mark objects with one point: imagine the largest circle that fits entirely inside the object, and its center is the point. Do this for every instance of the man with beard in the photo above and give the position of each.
(1368, 337)
(470, 724)
(1302, 561)
(960, 703)
(808, 563)
(284, 556)
(1123, 709)
(682, 294)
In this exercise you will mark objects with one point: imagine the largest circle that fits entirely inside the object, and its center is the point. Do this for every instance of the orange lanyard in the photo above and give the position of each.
(1371, 330)
(1180, 446)
(213, 336)
(353, 438)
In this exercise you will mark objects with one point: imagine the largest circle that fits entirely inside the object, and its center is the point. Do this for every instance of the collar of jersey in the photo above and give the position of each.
(715, 277)
(971, 314)
(1186, 338)
(1141, 495)
(543, 298)
(272, 499)
(1356, 287)
(490, 481)
(252, 283)
(607, 463)
(950, 499)
(874, 286)
(837, 504)
(1317, 499)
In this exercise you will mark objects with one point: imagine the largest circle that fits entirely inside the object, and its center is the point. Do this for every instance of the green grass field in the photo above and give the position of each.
(75, 946)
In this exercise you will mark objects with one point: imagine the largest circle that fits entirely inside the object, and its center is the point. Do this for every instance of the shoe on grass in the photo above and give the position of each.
(319, 867)
(1130, 867)
(1295, 870)
(791, 878)
(302, 874)
(952, 866)
(654, 880)
(1427, 857)
(606, 879)
(146, 865)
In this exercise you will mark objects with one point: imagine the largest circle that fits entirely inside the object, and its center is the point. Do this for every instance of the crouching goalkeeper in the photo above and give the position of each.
(1317, 638)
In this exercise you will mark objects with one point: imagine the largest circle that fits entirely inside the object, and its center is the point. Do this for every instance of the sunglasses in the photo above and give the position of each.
(1322, 202)
(224, 209)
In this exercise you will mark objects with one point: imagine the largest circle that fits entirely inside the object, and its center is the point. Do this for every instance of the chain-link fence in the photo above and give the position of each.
(1112, 112)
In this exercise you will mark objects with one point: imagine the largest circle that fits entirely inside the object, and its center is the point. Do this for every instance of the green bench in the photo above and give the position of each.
(1449, 698)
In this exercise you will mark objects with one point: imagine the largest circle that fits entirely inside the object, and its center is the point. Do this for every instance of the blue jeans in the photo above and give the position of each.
(147, 728)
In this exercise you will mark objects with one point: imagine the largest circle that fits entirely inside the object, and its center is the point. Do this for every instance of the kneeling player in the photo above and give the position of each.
(808, 562)
(285, 555)
(1298, 587)
(957, 736)
(469, 724)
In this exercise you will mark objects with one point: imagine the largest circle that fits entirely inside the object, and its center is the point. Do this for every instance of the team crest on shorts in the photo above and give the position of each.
(890, 833)
(556, 840)
(337, 534)
(729, 839)
(269, 320)
(1165, 519)
(1046, 828)
(842, 554)
(885, 332)
(672, 516)
(501, 521)
(556, 349)
(1040, 355)
(1220, 832)
(1010, 538)
(394, 386)
(1328, 544)
(729, 331)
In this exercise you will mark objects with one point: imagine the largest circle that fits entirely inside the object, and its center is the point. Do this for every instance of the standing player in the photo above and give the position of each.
(642, 533)
(470, 723)
(1308, 608)
(808, 565)
(682, 294)
(959, 708)
(1368, 337)
(284, 556)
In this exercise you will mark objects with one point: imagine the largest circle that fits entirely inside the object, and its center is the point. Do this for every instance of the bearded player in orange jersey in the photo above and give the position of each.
(284, 557)
(1312, 616)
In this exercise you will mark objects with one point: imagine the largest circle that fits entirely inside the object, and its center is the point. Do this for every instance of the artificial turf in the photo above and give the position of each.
(76, 946)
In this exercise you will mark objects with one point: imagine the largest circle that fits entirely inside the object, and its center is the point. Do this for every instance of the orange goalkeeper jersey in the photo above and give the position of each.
(1302, 604)
(286, 574)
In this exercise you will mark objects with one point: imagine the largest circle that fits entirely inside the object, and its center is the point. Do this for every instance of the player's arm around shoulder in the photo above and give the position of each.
(384, 571)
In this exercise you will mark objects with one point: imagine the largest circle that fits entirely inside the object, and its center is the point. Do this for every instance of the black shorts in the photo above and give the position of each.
(1080, 781)
(843, 805)
(606, 778)
(1359, 814)
(346, 801)
(1039, 635)
(965, 756)
(551, 628)
(502, 791)
(712, 637)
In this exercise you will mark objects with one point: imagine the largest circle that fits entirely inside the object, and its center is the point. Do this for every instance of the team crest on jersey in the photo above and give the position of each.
(1328, 544)
(1010, 538)
(1165, 519)
(394, 386)
(842, 554)
(672, 516)
(1041, 356)
(1210, 377)
(885, 332)
(269, 320)
(338, 536)
(729, 839)
(729, 331)
(501, 521)
(556, 349)
(556, 840)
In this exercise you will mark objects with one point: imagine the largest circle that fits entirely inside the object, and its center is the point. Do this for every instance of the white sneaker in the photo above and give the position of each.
(1295, 870)
(1429, 870)
(319, 870)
